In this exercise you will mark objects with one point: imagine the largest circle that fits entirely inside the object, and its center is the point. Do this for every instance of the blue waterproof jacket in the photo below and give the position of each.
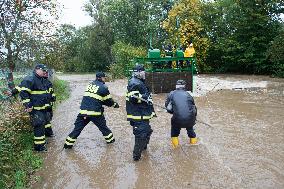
(36, 92)
(96, 95)
(138, 109)
(181, 104)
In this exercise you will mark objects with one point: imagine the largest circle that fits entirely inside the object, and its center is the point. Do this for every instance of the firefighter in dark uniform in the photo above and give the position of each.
(181, 104)
(139, 110)
(35, 94)
(52, 96)
(91, 109)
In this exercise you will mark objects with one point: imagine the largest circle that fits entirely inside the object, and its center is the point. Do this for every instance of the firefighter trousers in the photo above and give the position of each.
(81, 122)
(38, 120)
(176, 127)
(142, 132)
(48, 127)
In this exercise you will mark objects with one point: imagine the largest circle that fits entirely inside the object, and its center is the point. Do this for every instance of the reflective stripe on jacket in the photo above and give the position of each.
(35, 92)
(137, 109)
(96, 95)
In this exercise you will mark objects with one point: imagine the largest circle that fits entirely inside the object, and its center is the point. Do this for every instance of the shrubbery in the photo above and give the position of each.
(17, 159)
(123, 54)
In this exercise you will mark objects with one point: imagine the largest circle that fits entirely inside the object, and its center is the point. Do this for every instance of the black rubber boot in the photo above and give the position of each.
(112, 141)
(67, 146)
(140, 143)
(49, 132)
(147, 140)
(40, 148)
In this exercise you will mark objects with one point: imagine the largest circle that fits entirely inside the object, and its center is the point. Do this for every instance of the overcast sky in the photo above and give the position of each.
(73, 14)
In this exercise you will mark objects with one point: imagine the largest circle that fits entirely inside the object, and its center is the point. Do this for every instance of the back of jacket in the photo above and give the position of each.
(183, 108)
(138, 109)
(96, 95)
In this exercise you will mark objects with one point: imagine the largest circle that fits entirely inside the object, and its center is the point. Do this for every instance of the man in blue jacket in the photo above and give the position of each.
(181, 104)
(139, 110)
(36, 97)
(91, 109)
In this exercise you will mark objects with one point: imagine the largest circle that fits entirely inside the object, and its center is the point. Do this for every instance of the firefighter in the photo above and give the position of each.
(139, 110)
(91, 109)
(35, 95)
(52, 97)
(181, 104)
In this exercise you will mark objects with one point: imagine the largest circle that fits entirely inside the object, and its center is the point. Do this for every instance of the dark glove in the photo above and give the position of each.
(115, 105)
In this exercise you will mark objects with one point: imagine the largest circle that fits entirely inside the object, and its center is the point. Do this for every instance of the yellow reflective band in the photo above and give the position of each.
(86, 112)
(71, 139)
(41, 107)
(53, 94)
(134, 117)
(107, 97)
(47, 125)
(110, 139)
(134, 93)
(108, 135)
(38, 138)
(68, 143)
(18, 88)
(139, 117)
(131, 93)
(147, 117)
(50, 89)
(26, 100)
(98, 97)
(23, 89)
(39, 142)
(39, 92)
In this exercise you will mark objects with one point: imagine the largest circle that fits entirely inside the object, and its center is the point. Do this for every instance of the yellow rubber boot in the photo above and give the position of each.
(193, 140)
(175, 142)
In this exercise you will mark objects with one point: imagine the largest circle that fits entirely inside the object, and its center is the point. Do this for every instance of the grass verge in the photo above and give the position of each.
(17, 159)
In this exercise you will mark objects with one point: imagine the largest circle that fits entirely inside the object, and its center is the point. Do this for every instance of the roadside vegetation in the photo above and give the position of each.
(17, 159)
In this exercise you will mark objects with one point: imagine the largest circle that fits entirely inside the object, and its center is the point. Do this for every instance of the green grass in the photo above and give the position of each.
(61, 89)
(17, 159)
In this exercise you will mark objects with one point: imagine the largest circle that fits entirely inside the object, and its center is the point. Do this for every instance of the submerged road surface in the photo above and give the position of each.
(244, 149)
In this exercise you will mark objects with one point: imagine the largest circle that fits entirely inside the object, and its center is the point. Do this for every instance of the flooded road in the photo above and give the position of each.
(243, 148)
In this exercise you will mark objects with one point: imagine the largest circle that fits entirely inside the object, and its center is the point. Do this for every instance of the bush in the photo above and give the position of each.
(123, 55)
(17, 159)
(275, 55)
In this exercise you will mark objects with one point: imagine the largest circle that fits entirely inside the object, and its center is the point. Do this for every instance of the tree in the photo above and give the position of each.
(21, 21)
(184, 26)
(239, 34)
(131, 21)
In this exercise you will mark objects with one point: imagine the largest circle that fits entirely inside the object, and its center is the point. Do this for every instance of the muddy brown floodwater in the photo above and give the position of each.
(243, 149)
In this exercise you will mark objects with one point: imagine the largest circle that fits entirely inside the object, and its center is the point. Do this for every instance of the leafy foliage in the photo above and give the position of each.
(123, 54)
(23, 24)
(18, 161)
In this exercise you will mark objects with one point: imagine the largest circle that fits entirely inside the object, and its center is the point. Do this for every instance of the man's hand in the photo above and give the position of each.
(28, 109)
(116, 105)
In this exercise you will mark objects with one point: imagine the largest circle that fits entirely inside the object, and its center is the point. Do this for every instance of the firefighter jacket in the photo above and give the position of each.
(181, 104)
(52, 95)
(36, 92)
(138, 109)
(96, 95)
